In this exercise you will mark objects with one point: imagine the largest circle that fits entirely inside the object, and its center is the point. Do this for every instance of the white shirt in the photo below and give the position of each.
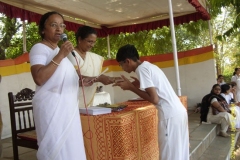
(151, 75)
(227, 97)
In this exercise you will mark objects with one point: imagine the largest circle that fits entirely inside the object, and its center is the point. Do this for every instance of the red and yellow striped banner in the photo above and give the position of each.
(21, 64)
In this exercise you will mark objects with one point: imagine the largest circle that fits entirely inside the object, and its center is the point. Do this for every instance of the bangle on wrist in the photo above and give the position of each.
(57, 64)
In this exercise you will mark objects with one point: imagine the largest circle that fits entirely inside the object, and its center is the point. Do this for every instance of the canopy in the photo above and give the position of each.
(113, 16)
(109, 16)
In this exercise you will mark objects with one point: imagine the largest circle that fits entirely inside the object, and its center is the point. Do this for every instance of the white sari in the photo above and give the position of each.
(236, 79)
(55, 108)
(90, 66)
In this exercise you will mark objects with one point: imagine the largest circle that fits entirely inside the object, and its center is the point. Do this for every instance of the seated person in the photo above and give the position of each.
(228, 95)
(233, 91)
(218, 110)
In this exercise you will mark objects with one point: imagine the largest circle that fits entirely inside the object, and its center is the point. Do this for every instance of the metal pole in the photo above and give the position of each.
(174, 47)
(108, 47)
(24, 37)
(210, 29)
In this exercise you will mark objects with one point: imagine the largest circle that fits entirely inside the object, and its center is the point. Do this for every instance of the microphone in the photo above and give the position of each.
(64, 39)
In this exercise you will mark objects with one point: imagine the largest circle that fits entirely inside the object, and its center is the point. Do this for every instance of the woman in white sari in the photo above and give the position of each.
(236, 78)
(90, 64)
(55, 104)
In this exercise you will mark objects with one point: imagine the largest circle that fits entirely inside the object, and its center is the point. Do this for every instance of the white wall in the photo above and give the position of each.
(196, 80)
(13, 83)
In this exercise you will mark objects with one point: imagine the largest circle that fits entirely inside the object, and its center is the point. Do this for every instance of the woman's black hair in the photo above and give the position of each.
(127, 51)
(43, 21)
(214, 86)
(84, 31)
(235, 70)
(225, 88)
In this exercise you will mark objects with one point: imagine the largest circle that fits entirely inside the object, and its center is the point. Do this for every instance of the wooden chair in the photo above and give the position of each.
(22, 122)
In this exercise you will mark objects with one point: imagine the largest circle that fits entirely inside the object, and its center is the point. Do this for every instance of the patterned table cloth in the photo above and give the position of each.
(128, 134)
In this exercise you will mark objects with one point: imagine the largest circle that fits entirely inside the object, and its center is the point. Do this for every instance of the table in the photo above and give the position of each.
(183, 99)
(101, 97)
(129, 134)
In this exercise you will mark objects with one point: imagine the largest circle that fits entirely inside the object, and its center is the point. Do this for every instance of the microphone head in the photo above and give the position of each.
(63, 37)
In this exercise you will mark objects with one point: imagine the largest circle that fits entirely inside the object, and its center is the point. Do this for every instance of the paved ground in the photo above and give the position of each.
(237, 151)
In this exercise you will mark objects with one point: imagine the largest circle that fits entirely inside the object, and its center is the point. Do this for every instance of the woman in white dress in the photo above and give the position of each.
(55, 103)
(90, 64)
(236, 78)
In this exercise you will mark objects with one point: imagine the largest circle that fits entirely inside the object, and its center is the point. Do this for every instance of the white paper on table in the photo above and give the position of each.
(94, 110)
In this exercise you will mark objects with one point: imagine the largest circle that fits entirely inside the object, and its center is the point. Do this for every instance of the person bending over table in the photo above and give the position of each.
(55, 103)
(90, 63)
(152, 85)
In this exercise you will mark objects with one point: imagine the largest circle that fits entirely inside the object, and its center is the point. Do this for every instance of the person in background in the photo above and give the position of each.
(55, 103)
(236, 78)
(233, 92)
(90, 63)
(226, 92)
(152, 85)
(219, 112)
(220, 80)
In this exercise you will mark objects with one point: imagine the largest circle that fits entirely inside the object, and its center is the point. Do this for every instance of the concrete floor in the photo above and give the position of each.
(237, 150)
(24, 153)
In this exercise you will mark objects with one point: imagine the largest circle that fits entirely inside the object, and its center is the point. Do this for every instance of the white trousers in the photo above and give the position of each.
(174, 138)
(237, 112)
(222, 118)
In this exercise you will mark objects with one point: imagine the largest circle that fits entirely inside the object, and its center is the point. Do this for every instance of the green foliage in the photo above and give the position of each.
(8, 29)
(216, 8)
(16, 47)
(188, 36)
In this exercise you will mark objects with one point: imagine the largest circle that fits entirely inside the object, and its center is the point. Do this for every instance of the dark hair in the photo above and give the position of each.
(43, 21)
(84, 31)
(225, 88)
(214, 86)
(233, 84)
(127, 51)
(235, 70)
(219, 76)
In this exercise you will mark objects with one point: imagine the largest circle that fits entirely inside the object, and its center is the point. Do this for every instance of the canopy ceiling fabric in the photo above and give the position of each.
(109, 16)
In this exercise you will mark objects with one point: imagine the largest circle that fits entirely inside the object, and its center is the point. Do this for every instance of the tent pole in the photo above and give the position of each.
(210, 32)
(108, 47)
(174, 47)
(210, 28)
(24, 37)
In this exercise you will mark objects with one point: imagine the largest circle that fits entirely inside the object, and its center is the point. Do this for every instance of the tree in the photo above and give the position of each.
(32, 37)
(8, 29)
(216, 7)
(225, 47)
(158, 41)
